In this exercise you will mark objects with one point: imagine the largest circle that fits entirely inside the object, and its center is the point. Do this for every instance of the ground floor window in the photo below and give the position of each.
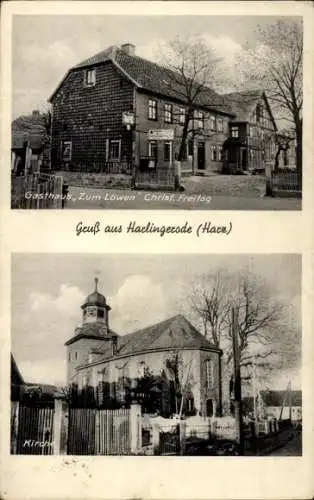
(219, 153)
(190, 147)
(114, 150)
(213, 150)
(66, 150)
(167, 151)
(152, 149)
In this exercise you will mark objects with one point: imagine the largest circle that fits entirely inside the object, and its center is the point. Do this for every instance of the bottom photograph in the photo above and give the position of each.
(156, 354)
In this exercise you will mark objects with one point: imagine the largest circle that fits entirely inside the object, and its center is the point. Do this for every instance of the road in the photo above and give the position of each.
(92, 198)
(292, 448)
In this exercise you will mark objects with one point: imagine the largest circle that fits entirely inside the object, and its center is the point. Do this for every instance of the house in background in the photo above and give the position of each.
(288, 404)
(252, 132)
(30, 136)
(116, 108)
(109, 364)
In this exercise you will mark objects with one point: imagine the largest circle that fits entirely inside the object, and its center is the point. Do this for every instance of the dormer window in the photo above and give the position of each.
(90, 78)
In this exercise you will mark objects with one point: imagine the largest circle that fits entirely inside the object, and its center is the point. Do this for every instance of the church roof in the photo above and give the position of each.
(97, 330)
(173, 333)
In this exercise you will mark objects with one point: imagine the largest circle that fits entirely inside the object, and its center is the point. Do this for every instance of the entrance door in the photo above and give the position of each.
(244, 159)
(209, 408)
(201, 155)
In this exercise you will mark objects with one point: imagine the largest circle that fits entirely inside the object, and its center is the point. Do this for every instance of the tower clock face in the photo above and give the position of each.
(91, 312)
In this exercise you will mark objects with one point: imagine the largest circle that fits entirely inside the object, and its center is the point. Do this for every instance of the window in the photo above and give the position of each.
(75, 355)
(251, 130)
(67, 150)
(167, 151)
(213, 123)
(209, 374)
(259, 112)
(114, 150)
(190, 147)
(152, 109)
(101, 313)
(69, 356)
(213, 149)
(152, 149)
(220, 125)
(234, 131)
(168, 113)
(181, 116)
(219, 151)
(90, 78)
(199, 119)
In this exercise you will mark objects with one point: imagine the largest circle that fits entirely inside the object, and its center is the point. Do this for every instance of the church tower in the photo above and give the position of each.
(93, 334)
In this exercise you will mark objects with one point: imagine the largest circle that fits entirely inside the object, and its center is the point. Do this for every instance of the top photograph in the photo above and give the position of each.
(151, 112)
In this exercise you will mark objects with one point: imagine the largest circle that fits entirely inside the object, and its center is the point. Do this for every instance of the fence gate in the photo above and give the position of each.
(36, 190)
(157, 178)
(99, 432)
(113, 433)
(169, 442)
(34, 434)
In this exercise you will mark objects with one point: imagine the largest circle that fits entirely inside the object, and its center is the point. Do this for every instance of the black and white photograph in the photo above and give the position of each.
(169, 355)
(197, 112)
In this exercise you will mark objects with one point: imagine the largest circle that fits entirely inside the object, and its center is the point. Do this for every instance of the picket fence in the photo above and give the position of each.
(75, 431)
(37, 191)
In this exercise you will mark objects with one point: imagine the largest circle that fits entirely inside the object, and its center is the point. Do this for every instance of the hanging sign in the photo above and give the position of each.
(166, 134)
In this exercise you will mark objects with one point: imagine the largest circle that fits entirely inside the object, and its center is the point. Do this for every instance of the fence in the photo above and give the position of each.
(32, 430)
(37, 191)
(79, 431)
(283, 182)
(99, 167)
(158, 178)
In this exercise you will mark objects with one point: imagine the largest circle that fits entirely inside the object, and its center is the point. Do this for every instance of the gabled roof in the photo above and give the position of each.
(147, 75)
(276, 398)
(16, 376)
(243, 103)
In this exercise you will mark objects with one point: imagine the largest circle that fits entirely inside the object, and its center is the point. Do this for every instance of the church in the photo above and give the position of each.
(173, 351)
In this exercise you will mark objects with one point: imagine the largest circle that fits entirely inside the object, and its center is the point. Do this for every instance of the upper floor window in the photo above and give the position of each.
(199, 119)
(90, 77)
(152, 109)
(168, 113)
(251, 131)
(234, 131)
(213, 123)
(259, 112)
(115, 150)
(181, 116)
(209, 373)
(220, 125)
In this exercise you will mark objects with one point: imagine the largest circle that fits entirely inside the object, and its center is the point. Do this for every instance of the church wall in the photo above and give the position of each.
(78, 354)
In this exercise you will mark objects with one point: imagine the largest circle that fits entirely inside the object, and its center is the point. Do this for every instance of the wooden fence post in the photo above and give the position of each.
(135, 428)
(268, 177)
(57, 419)
(14, 425)
(182, 435)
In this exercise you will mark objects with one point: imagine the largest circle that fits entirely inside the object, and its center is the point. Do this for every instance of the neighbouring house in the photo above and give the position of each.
(30, 136)
(110, 365)
(116, 109)
(28, 393)
(288, 404)
(252, 132)
(278, 404)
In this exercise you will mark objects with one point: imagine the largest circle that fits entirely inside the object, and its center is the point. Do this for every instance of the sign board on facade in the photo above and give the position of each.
(128, 118)
(166, 134)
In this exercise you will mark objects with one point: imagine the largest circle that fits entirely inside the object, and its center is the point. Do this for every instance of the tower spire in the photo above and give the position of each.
(96, 284)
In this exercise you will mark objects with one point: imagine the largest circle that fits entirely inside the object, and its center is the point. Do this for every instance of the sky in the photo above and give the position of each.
(45, 47)
(48, 290)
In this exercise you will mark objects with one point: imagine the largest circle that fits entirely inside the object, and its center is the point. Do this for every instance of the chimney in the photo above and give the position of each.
(128, 48)
(114, 344)
(36, 112)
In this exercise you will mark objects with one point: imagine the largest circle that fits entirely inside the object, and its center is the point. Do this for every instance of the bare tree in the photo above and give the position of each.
(190, 68)
(276, 65)
(261, 317)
